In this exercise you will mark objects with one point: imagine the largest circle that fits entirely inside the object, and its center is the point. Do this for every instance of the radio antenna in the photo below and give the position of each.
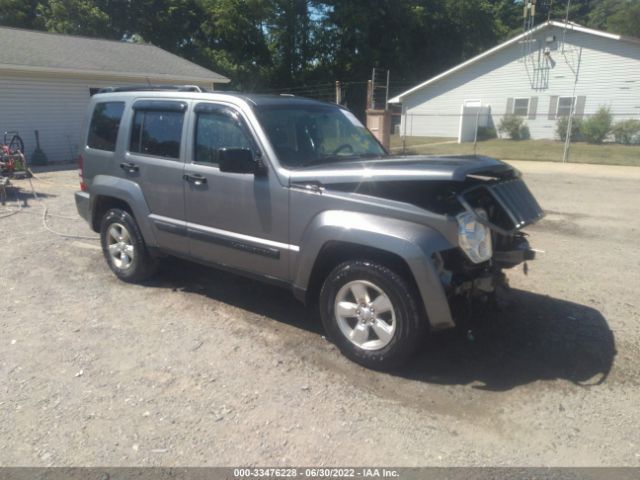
(566, 24)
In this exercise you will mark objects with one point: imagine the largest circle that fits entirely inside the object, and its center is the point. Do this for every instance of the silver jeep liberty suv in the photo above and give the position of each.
(297, 192)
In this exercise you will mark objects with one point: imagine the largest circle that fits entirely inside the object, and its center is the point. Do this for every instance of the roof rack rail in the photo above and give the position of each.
(153, 88)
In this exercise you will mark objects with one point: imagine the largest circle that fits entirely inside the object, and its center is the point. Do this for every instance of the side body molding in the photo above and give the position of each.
(414, 243)
(130, 192)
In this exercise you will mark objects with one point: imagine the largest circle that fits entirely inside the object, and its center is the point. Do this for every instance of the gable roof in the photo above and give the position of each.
(570, 26)
(29, 50)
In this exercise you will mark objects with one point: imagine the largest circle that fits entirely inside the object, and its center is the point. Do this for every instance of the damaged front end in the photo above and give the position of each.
(494, 210)
(486, 198)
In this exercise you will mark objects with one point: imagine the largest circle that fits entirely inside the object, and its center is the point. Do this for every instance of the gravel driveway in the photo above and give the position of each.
(202, 368)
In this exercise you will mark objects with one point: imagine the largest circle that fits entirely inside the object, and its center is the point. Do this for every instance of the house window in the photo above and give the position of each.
(521, 107)
(565, 105)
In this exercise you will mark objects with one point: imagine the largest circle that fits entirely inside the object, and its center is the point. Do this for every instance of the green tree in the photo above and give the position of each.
(82, 17)
(508, 17)
(232, 38)
(625, 19)
(473, 26)
(291, 38)
(578, 12)
(169, 24)
(20, 13)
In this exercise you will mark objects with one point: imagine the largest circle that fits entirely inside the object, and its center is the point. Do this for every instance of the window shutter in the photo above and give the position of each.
(533, 108)
(553, 107)
(580, 104)
(509, 110)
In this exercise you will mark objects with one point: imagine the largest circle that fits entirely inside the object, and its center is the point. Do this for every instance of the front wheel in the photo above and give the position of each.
(124, 248)
(371, 313)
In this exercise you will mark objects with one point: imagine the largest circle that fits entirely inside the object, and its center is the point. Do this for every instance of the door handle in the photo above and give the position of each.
(129, 167)
(195, 179)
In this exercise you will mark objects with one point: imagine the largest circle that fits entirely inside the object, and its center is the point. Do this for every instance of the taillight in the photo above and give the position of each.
(83, 186)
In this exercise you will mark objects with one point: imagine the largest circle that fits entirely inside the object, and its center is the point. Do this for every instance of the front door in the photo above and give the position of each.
(235, 220)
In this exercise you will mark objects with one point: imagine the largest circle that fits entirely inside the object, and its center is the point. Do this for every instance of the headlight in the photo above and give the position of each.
(474, 238)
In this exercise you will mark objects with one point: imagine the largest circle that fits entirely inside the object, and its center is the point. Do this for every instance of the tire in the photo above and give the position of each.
(16, 144)
(124, 248)
(358, 333)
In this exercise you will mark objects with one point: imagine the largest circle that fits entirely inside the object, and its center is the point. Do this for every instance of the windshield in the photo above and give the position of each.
(305, 135)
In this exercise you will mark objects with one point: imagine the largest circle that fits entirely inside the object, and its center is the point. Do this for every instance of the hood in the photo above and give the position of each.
(422, 167)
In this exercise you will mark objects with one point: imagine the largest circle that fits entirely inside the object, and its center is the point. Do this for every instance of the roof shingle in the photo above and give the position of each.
(42, 50)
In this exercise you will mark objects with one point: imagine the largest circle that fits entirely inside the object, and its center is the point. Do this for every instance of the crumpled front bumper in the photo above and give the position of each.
(461, 278)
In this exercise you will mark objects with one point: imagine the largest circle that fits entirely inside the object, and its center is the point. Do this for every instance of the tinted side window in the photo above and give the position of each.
(157, 133)
(105, 122)
(215, 131)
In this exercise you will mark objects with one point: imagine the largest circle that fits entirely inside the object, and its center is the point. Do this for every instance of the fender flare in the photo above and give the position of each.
(412, 242)
(129, 192)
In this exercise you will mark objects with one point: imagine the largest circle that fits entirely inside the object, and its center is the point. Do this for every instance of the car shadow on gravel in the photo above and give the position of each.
(247, 294)
(536, 337)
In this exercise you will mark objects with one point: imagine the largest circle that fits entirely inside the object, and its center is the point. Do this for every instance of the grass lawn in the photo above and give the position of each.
(537, 150)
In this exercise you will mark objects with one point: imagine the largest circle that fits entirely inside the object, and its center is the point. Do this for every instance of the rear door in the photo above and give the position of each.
(237, 220)
(155, 160)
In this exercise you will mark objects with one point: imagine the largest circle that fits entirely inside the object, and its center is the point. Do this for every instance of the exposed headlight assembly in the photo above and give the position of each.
(473, 237)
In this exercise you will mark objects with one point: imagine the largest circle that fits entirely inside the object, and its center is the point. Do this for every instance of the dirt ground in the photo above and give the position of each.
(202, 368)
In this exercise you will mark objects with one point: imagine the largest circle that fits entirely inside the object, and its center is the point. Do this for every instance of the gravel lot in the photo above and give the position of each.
(205, 368)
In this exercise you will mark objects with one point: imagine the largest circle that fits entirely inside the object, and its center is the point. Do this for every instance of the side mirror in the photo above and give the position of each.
(238, 160)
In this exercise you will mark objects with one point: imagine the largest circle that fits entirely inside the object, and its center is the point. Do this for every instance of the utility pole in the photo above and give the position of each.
(567, 141)
(386, 100)
(338, 92)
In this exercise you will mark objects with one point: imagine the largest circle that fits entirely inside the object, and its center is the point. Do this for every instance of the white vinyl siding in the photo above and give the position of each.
(54, 106)
(609, 76)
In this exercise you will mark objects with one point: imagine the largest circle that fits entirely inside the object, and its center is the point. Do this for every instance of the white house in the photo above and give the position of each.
(540, 75)
(46, 81)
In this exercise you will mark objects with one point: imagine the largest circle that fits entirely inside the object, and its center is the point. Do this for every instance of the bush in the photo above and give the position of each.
(563, 124)
(486, 133)
(598, 127)
(514, 127)
(627, 132)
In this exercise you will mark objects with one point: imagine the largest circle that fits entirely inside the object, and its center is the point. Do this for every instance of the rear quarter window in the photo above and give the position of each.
(105, 123)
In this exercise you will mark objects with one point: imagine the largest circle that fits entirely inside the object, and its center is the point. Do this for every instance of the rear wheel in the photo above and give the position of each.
(124, 248)
(372, 314)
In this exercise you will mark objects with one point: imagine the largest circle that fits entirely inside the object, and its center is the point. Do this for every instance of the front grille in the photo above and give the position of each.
(510, 204)
(517, 201)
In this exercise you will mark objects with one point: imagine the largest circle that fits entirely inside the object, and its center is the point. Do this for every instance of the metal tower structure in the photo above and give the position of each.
(535, 53)
(378, 90)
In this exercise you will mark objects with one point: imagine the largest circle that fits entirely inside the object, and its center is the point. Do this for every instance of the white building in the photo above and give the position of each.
(540, 75)
(46, 81)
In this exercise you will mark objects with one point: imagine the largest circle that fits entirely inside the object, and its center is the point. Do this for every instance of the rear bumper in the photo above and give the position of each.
(83, 205)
